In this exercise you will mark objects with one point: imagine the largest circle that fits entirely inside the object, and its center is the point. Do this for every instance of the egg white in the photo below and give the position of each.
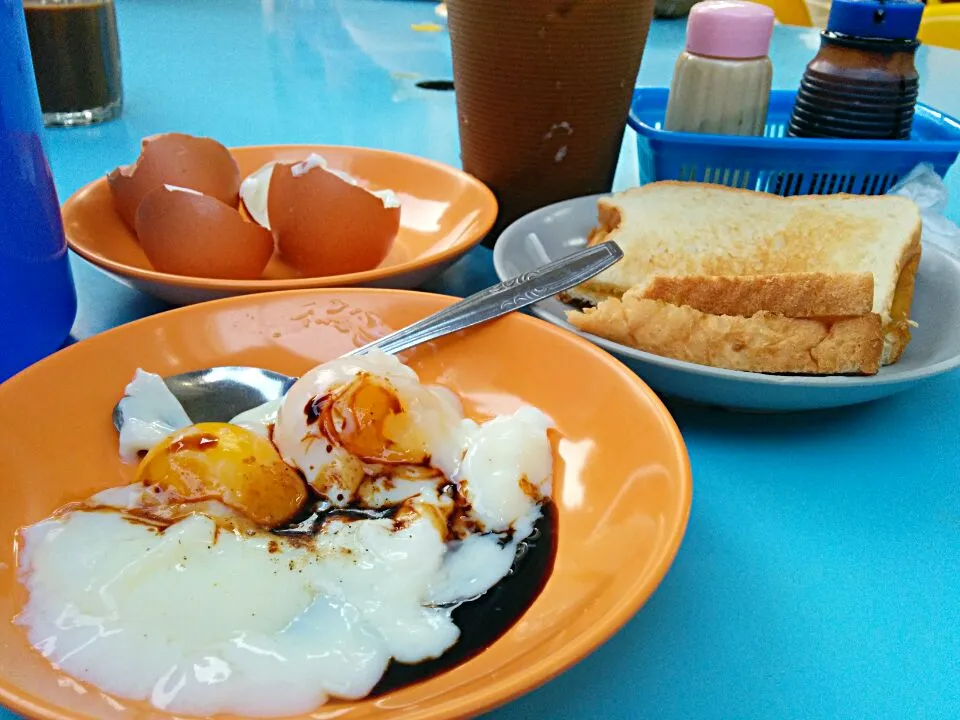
(150, 412)
(199, 621)
(332, 470)
(506, 468)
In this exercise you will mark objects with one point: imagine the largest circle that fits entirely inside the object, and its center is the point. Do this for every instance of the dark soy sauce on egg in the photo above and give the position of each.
(484, 620)
(481, 621)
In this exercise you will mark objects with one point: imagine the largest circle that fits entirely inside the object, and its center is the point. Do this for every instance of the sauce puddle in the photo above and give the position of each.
(484, 620)
(481, 621)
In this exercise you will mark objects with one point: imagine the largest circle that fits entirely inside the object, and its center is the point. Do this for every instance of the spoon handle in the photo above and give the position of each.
(513, 294)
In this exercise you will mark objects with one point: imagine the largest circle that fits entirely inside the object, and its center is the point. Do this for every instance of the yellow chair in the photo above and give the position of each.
(789, 12)
(941, 25)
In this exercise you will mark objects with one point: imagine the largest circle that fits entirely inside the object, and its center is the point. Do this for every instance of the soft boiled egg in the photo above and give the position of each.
(228, 463)
(507, 468)
(364, 430)
(185, 161)
(198, 621)
(184, 232)
(159, 591)
(326, 224)
(348, 422)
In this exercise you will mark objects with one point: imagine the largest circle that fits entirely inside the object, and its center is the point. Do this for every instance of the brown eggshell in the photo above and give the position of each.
(184, 233)
(196, 163)
(326, 226)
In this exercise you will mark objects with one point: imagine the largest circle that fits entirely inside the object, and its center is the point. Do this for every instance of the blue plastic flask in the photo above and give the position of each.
(38, 303)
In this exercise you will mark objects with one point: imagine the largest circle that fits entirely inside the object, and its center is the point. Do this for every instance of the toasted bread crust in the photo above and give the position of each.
(795, 295)
(764, 343)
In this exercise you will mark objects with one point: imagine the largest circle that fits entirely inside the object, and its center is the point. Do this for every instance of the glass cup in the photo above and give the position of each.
(76, 59)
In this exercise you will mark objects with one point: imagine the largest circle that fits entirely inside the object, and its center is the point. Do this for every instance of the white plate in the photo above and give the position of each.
(557, 230)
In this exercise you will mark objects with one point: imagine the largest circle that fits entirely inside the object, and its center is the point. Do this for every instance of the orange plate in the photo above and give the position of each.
(444, 212)
(622, 479)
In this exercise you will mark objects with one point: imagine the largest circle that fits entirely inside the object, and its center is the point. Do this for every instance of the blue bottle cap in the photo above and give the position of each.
(886, 19)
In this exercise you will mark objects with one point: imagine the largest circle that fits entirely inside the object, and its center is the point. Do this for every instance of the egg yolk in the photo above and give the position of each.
(369, 421)
(228, 463)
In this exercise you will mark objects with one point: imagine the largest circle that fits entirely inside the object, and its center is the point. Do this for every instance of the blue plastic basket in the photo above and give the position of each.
(785, 165)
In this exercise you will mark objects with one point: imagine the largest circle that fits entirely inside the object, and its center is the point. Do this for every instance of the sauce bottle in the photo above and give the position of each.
(38, 303)
(863, 83)
(721, 82)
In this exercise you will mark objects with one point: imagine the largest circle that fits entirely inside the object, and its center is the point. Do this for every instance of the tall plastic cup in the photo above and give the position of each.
(543, 89)
(38, 303)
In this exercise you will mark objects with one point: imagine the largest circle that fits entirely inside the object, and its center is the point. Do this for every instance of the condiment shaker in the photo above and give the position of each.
(37, 300)
(721, 82)
(863, 83)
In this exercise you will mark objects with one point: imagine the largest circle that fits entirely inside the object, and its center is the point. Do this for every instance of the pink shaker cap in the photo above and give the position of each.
(729, 29)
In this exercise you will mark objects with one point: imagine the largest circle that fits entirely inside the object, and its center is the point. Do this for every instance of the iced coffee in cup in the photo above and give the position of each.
(76, 59)
(543, 90)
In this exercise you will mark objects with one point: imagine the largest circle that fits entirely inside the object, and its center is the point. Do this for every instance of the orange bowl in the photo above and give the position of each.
(622, 485)
(444, 212)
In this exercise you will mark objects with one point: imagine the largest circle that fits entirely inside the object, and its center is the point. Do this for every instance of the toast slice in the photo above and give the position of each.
(764, 342)
(793, 295)
(697, 232)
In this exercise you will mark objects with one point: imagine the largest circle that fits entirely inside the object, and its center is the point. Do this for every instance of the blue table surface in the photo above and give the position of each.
(820, 573)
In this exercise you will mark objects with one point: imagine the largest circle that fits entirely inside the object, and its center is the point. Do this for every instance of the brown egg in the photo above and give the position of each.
(324, 225)
(186, 233)
(190, 162)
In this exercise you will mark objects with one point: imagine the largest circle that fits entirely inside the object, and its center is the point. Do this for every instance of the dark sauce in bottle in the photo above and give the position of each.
(76, 55)
(863, 83)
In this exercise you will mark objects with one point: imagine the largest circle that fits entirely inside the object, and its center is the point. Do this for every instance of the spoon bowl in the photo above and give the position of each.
(221, 393)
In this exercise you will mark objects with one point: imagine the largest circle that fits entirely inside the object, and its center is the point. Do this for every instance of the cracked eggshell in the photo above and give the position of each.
(196, 163)
(326, 225)
(184, 232)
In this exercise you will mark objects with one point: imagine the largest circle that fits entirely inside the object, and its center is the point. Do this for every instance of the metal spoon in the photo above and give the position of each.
(221, 393)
